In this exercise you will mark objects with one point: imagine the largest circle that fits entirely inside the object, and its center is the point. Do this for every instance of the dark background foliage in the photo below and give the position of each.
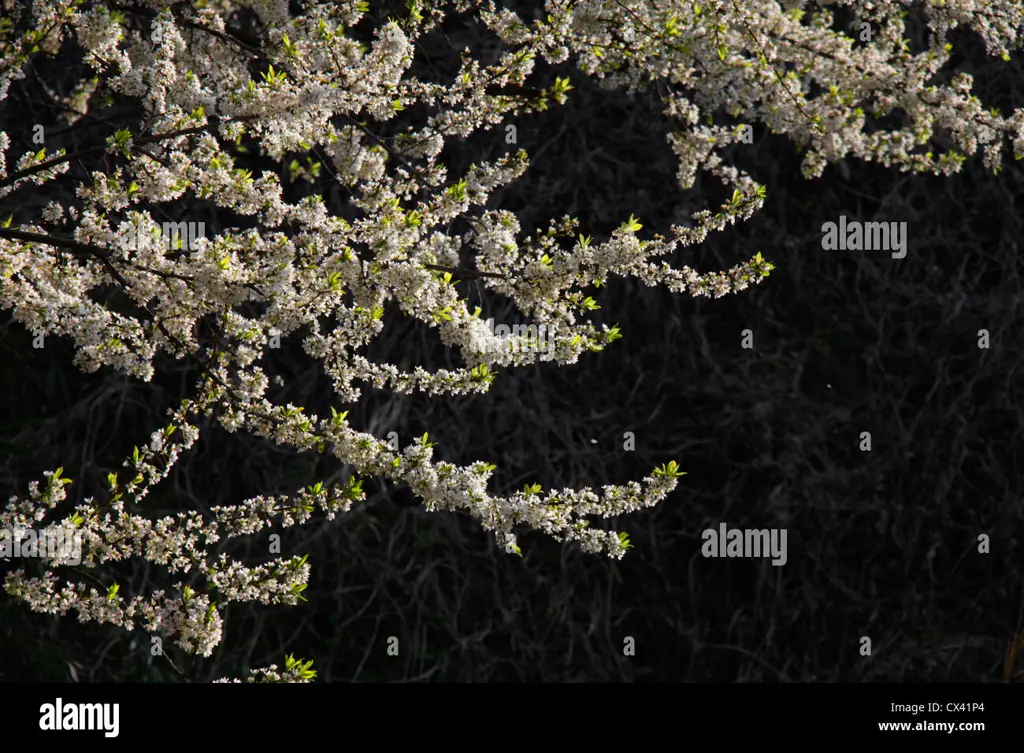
(881, 544)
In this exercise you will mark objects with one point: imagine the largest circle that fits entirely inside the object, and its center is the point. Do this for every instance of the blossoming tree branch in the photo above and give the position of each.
(303, 88)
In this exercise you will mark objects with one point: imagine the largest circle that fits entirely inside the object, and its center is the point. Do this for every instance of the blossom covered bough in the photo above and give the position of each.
(314, 91)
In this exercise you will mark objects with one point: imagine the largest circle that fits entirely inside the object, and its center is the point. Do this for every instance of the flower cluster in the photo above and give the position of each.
(309, 89)
(296, 671)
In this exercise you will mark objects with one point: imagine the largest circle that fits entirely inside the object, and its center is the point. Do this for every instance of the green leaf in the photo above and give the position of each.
(482, 373)
(458, 191)
(670, 470)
